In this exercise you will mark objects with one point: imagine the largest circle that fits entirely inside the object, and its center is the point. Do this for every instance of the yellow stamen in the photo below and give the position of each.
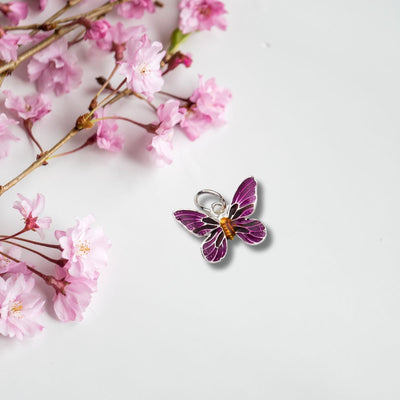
(83, 248)
(15, 309)
(143, 70)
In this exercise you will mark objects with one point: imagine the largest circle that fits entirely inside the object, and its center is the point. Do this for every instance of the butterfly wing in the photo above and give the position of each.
(198, 223)
(244, 200)
(214, 248)
(251, 231)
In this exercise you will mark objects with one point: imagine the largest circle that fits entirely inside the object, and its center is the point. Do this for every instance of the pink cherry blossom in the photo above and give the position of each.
(5, 262)
(42, 4)
(97, 30)
(9, 43)
(5, 135)
(33, 107)
(73, 295)
(117, 36)
(142, 67)
(135, 8)
(15, 11)
(54, 68)
(207, 109)
(201, 15)
(161, 148)
(19, 307)
(85, 248)
(30, 210)
(177, 59)
(169, 114)
(107, 136)
(7, 265)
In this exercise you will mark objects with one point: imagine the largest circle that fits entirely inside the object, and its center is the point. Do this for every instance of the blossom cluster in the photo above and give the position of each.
(82, 256)
(141, 67)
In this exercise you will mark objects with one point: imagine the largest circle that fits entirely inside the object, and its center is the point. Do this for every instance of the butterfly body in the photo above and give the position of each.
(228, 227)
(228, 222)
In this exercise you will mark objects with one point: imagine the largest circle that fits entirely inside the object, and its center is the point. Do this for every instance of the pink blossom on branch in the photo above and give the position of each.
(207, 110)
(85, 248)
(97, 30)
(15, 11)
(169, 114)
(107, 136)
(9, 266)
(19, 307)
(117, 37)
(201, 15)
(9, 43)
(135, 8)
(5, 135)
(30, 210)
(142, 66)
(54, 68)
(161, 148)
(33, 107)
(73, 294)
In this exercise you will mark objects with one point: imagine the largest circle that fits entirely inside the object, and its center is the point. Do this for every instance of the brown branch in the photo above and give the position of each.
(42, 160)
(104, 9)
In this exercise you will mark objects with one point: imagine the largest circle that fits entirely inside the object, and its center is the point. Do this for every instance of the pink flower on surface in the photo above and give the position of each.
(15, 11)
(142, 67)
(54, 68)
(97, 30)
(201, 15)
(5, 135)
(117, 37)
(85, 248)
(9, 44)
(73, 295)
(207, 109)
(19, 308)
(30, 210)
(169, 114)
(33, 107)
(9, 266)
(107, 136)
(162, 149)
(135, 8)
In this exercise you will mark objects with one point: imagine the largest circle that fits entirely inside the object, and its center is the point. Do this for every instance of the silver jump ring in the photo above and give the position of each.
(217, 208)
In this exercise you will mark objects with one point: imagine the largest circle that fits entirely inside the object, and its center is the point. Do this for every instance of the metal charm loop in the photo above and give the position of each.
(217, 208)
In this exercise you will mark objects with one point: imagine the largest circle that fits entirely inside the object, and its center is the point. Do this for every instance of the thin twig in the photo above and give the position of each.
(10, 66)
(53, 246)
(52, 260)
(40, 161)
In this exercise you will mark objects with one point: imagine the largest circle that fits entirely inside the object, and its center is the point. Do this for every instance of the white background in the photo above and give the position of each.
(311, 314)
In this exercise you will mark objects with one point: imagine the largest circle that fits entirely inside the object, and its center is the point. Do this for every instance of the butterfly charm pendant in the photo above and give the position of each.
(221, 222)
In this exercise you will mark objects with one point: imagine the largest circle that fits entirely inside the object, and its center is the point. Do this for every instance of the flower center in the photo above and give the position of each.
(31, 222)
(83, 248)
(5, 259)
(205, 11)
(143, 69)
(15, 308)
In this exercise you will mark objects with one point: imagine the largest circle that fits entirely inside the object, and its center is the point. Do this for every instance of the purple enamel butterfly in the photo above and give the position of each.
(221, 223)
